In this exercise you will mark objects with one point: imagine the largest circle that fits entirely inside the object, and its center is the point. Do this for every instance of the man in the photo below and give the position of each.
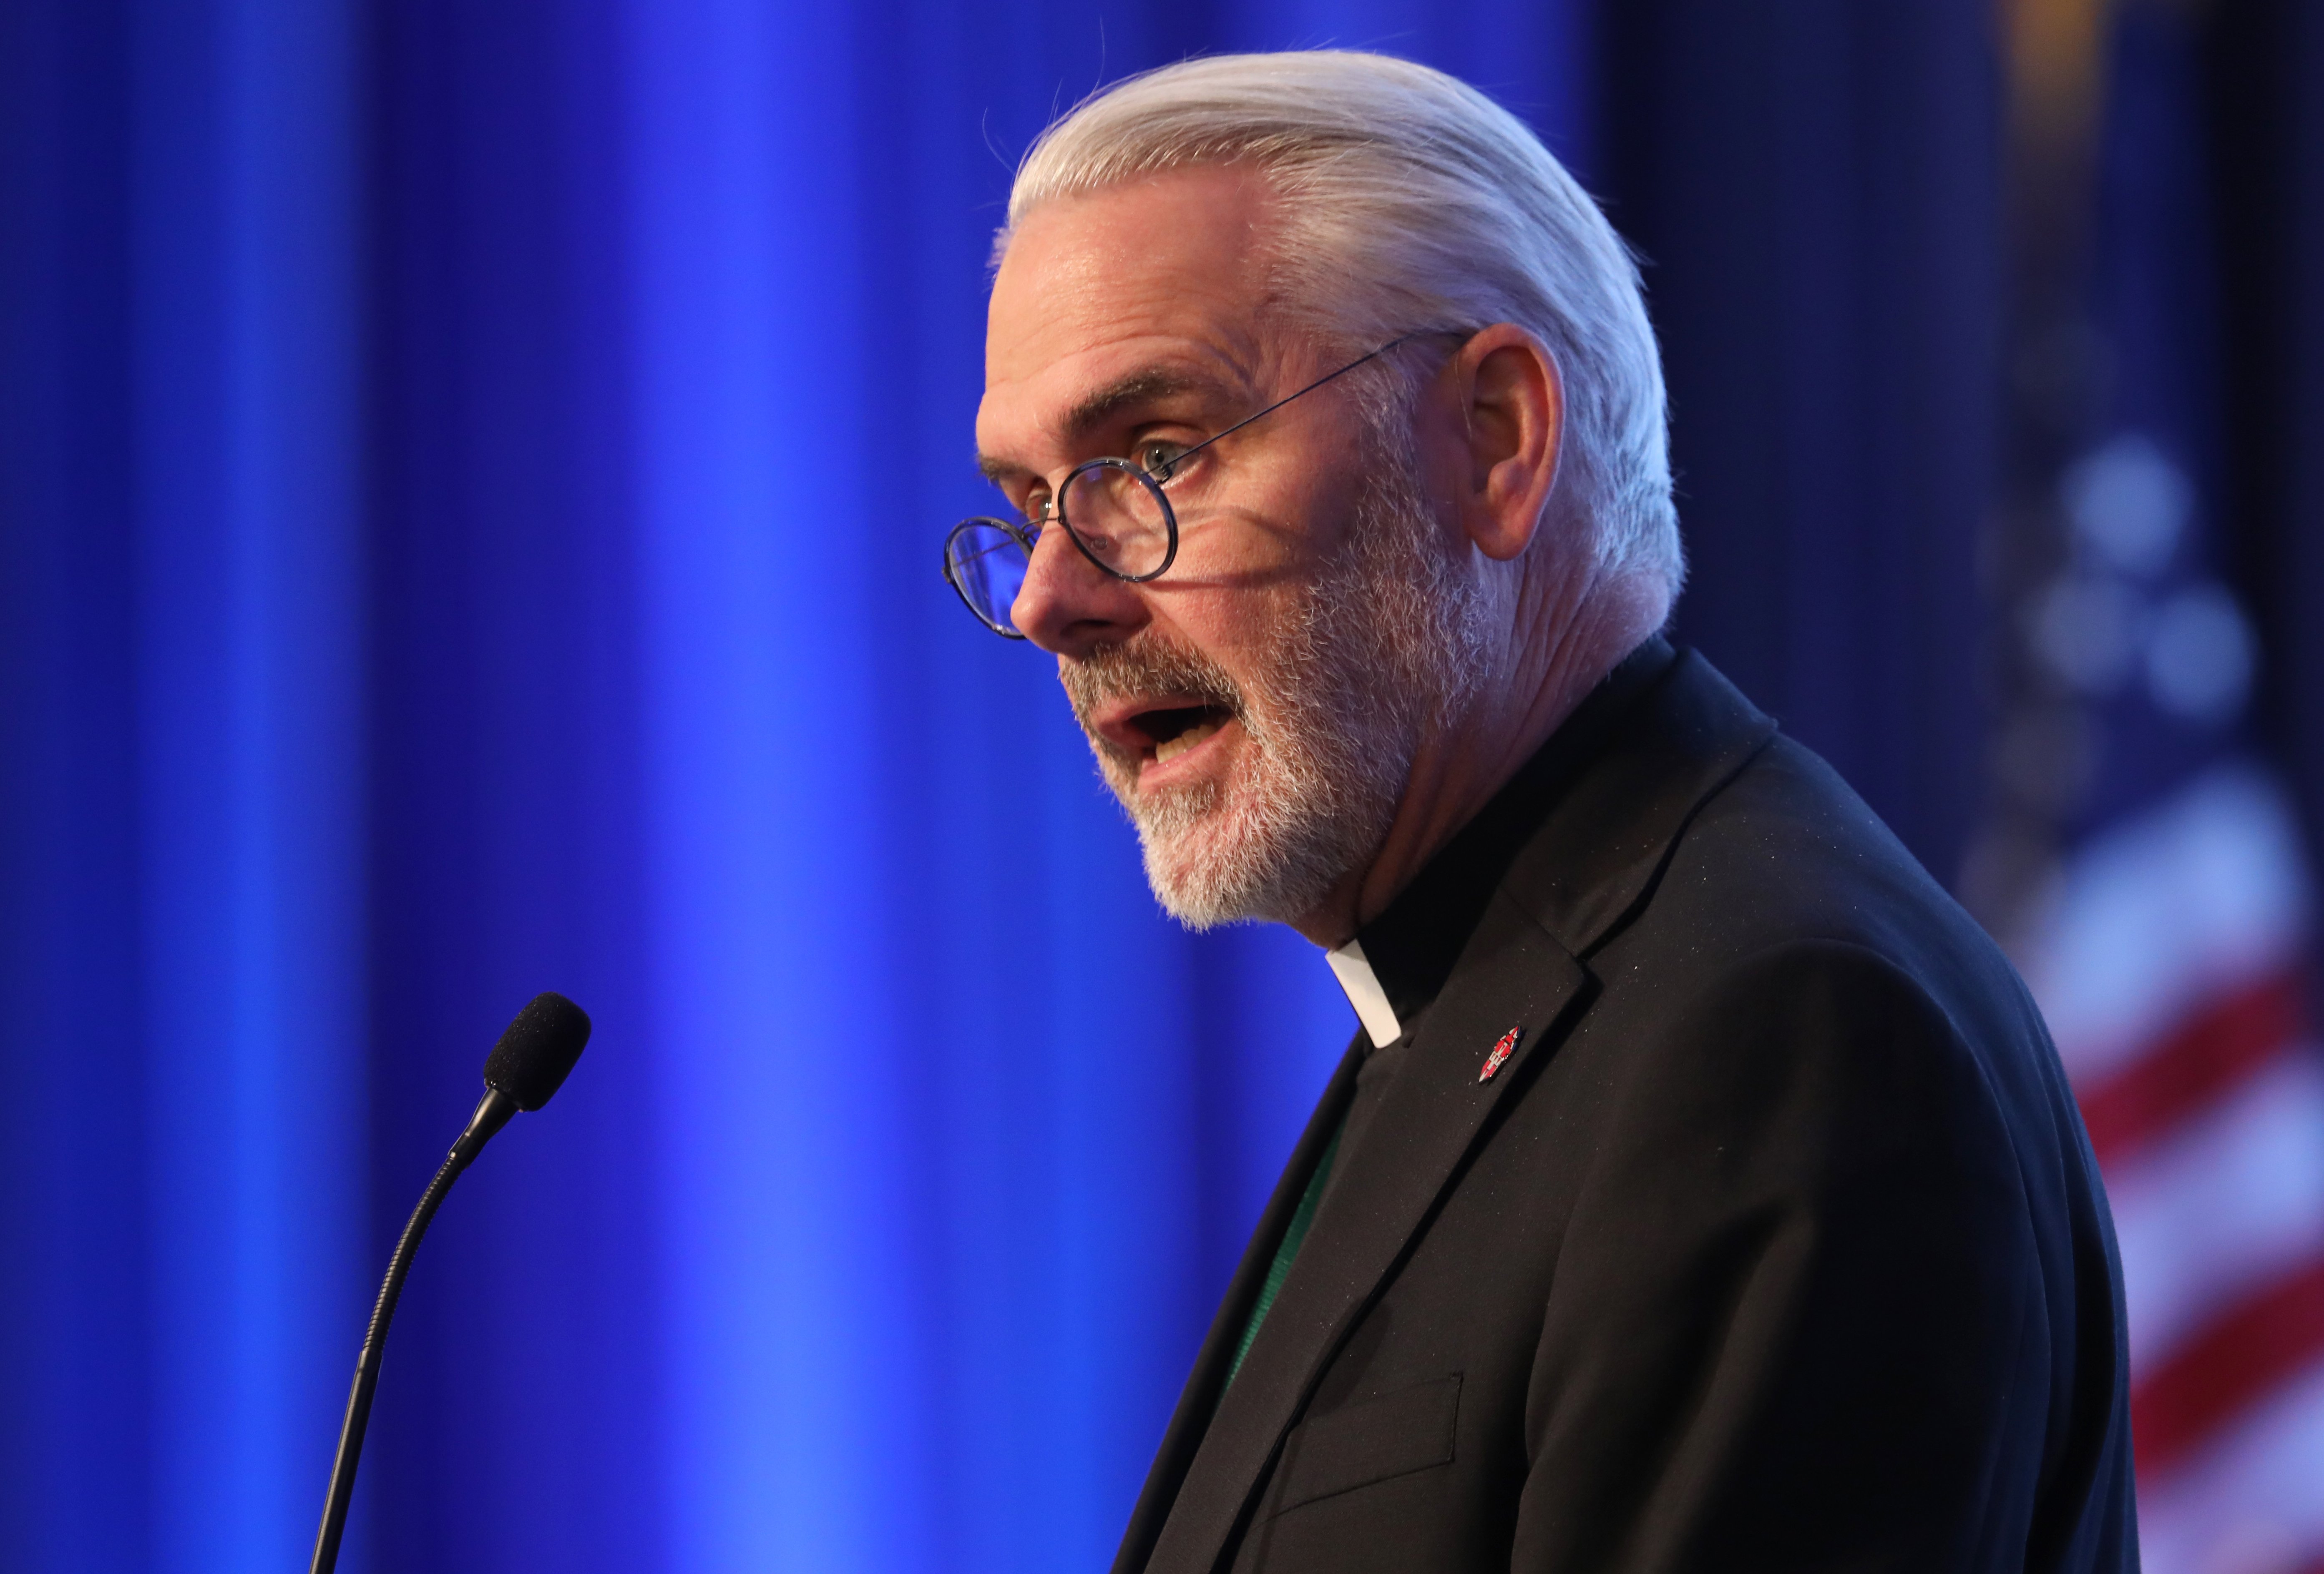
(1702, 1191)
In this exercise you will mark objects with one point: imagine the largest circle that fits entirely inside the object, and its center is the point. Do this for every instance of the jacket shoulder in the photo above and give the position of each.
(1787, 852)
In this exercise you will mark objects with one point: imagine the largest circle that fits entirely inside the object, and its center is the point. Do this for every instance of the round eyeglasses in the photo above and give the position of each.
(1116, 512)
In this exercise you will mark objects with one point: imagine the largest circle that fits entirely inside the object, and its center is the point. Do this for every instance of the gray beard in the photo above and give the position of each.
(1388, 642)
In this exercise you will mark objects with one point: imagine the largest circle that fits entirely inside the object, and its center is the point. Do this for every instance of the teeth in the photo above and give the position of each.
(1165, 753)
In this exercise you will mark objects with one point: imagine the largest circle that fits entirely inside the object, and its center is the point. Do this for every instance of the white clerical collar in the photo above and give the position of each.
(1364, 993)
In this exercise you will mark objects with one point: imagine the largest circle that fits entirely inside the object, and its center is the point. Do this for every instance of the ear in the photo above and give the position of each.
(1511, 404)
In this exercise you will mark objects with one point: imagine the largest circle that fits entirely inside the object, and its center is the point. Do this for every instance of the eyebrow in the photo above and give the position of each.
(1092, 410)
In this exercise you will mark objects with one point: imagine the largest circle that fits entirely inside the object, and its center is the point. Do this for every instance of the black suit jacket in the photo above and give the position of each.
(1778, 1244)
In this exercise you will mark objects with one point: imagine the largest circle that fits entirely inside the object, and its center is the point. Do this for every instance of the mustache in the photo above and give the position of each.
(1140, 667)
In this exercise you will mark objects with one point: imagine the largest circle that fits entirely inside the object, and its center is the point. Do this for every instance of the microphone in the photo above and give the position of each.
(524, 1071)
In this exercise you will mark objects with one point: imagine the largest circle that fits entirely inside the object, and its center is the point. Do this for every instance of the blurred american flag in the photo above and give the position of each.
(2143, 858)
(2171, 967)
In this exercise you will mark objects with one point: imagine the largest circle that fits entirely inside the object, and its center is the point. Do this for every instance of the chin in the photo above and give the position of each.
(1216, 864)
(1211, 893)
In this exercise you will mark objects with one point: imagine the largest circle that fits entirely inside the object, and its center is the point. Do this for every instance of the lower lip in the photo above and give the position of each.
(1163, 772)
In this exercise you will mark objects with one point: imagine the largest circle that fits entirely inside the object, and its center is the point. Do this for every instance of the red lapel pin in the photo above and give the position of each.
(1501, 1052)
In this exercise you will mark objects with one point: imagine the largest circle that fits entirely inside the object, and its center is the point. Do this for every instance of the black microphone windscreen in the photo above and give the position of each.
(531, 1060)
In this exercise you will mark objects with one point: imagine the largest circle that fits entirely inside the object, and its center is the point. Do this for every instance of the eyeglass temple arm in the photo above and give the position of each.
(1288, 397)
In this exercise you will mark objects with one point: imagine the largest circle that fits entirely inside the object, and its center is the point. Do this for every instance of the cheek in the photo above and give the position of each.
(1218, 623)
(1323, 497)
(1240, 630)
(1279, 529)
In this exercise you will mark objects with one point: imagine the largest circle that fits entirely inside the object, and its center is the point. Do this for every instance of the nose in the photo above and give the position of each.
(1068, 605)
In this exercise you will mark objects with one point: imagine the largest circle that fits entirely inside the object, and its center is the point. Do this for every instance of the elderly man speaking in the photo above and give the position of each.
(1702, 1191)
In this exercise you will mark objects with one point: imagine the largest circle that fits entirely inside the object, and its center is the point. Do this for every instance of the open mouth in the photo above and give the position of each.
(1170, 730)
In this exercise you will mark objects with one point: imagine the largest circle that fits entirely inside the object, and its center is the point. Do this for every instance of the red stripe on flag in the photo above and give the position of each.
(2206, 1055)
(2237, 1358)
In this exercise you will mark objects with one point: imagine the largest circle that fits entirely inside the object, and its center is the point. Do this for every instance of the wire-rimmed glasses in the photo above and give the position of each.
(1115, 511)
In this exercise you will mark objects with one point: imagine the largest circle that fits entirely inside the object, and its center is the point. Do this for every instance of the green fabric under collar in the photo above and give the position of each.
(1280, 1269)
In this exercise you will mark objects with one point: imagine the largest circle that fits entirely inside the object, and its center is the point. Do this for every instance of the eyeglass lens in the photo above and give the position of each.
(986, 563)
(1114, 511)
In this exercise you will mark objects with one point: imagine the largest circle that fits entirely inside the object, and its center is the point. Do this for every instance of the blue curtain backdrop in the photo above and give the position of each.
(2263, 61)
(470, 479)
(1816, 185)
(183, 816)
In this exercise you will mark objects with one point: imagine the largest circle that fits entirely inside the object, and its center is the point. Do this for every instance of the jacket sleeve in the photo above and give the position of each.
(1797, 1321)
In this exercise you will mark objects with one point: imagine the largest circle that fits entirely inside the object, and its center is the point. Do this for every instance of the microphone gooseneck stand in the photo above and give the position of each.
(493, 1113)
(528, 1065)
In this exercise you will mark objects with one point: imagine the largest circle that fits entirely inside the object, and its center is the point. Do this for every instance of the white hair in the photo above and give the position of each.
(1412, 203)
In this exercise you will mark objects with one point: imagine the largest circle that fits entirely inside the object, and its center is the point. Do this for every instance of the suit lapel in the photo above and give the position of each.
(1512, 975)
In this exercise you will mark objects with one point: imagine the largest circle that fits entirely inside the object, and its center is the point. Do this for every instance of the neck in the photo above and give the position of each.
(1555, 655)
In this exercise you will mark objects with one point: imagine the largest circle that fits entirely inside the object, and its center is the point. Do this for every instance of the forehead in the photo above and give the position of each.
(1163, 275)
